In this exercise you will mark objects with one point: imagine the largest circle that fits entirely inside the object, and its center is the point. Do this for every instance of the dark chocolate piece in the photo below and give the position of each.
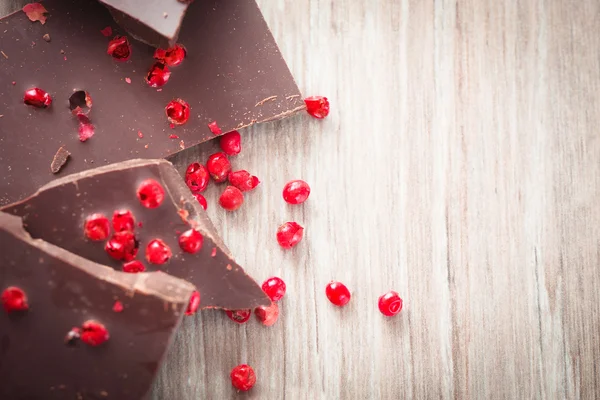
(232, 64)
(60, 159)
(64, 291)
(57, 212)
(154, 22)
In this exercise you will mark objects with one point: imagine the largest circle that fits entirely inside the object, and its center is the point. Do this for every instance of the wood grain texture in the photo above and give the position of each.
(460, 166)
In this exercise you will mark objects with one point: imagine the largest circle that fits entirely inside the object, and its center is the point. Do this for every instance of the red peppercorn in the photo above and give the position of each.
(37, 97)
(218, 166)
(274, 288)
(296, 192)
(190, 241)
(317, 106)
(267, 315)
(193, 304)
(390, 303)
(201, 200)
(172, 56)
(94, 333)
(106, 31)
(178, 112)
(158, 75)
(196, 177)
(122, 246)
(123, 220)
(239, 316)
(118, 306)
(133, 267)
(86, 128)
(157, 252)
(119, 48)
(243, 180)
(231, 199)
(14, 299)
(150, 193)
(337, 293)
(243, 377)
(231, 143)
(96, 227)
(289, 234)
(214, 128)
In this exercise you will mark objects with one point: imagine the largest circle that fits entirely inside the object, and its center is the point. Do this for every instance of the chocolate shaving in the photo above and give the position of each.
(263, 101)
(60, 159)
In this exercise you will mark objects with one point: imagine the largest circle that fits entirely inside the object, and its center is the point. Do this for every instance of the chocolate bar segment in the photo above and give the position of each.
(233, 73)
(154, 22)
(38, 360)
(57, 213)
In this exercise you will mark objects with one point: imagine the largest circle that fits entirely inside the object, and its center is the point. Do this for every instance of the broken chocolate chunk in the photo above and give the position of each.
(46, 351)
(155, 24)
(156, 196)
(232, 63)
(59, 160)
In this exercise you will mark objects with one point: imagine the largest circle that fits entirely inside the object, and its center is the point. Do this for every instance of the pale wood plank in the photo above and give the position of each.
(460, 166)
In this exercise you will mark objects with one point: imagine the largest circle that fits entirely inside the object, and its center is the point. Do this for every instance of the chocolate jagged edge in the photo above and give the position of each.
(65, 290)
(232, 66)
(56, 213)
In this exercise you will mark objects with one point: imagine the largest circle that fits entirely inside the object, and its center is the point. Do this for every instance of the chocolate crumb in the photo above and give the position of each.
(46, 37)
(59, 160)
(263, 101)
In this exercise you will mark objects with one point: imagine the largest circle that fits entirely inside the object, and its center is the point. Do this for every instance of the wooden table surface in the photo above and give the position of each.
(460, 166)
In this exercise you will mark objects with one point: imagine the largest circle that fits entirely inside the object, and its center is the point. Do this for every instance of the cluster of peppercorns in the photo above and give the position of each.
(218, 167)
(159, 73)
(123, 245)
